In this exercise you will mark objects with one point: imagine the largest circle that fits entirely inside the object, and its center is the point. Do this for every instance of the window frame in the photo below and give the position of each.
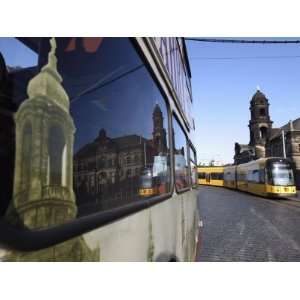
(192, 148)
(188, 155)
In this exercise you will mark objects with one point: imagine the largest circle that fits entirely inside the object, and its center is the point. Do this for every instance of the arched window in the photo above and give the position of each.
(56, 145)
(263, 132)
(262, 112)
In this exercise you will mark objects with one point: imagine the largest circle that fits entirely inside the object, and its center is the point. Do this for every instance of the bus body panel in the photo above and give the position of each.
(161, 233)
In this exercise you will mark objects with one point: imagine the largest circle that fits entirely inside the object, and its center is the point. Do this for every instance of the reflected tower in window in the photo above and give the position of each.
(43, 181)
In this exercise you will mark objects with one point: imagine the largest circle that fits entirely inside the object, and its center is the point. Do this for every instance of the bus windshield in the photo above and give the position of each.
(282, 175)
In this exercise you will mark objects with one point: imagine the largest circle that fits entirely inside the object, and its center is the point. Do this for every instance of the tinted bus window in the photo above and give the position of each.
(193, 166)
(180, 157)
(120, 149)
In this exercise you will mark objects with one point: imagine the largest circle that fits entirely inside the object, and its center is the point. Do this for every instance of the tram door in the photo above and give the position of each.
(207, 177)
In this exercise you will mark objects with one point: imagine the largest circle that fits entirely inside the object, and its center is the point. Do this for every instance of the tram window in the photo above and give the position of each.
(120, 116)
(254, 176)
(201, 175)
(180, 153)
(217, 176)
(262, 176)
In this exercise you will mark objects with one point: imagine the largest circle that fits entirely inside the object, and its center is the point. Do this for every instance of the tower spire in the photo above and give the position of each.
(47, 83)
(51, 66)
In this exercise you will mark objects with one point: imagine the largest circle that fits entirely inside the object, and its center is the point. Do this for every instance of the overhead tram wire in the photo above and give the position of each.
(243, 41)
(245, 57)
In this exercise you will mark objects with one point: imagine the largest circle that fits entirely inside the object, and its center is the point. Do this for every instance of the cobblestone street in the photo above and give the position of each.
(243, 227)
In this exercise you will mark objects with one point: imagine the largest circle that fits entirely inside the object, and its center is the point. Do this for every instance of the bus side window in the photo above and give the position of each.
(114, 131)
(180, 157)
(193, 167)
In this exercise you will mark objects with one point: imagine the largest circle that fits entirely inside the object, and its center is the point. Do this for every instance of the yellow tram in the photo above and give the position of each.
(212, 175)
(268, 177)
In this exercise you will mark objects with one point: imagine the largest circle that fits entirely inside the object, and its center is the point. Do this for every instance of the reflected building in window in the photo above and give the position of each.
(107, 171)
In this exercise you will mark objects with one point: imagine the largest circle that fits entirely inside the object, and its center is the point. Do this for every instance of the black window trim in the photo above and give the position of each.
(32, 240)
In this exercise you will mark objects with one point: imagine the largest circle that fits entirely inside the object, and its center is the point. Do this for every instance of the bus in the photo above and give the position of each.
(97, 160)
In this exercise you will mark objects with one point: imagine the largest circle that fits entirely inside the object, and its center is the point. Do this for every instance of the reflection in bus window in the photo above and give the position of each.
(121, 141)
(18, 64)
(180, 154)
(121, 149)
(193, 165)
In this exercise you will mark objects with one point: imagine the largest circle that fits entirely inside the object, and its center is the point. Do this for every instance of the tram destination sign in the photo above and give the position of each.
(171, 52)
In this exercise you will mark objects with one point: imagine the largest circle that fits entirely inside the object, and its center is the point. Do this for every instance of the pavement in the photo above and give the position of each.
(295, 198)
(242, 227)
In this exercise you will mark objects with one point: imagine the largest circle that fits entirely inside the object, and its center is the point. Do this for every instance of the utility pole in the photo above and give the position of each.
(283, 143)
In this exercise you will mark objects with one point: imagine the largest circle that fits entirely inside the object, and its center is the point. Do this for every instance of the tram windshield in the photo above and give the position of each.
(282, 175)
(146, 179)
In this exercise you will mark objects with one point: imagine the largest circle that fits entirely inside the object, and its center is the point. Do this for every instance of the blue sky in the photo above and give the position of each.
(222, 90)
